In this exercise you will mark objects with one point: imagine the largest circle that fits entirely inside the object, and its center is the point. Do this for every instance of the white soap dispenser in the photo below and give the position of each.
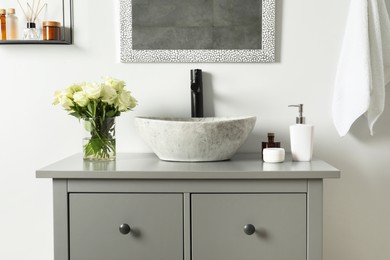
(301, 138)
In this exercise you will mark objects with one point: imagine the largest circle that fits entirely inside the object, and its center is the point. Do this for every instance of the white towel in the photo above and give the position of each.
(364, 65)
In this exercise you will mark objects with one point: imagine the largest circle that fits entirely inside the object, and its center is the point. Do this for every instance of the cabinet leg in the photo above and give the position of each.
(60, 219)
(314, 220)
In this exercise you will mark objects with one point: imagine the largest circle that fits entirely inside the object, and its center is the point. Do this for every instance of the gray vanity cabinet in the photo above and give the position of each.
(220, 223)
(125, 226)
(141, 208)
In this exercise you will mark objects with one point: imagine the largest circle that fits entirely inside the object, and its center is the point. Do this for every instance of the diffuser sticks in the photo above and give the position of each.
(31, 13)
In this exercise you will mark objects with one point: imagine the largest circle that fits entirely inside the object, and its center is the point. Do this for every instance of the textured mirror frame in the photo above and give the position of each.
(265, 54)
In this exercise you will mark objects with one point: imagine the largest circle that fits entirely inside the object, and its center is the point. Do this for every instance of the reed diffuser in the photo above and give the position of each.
(31, 13)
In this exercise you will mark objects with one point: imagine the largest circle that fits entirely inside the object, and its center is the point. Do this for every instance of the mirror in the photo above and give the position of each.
(197, 30)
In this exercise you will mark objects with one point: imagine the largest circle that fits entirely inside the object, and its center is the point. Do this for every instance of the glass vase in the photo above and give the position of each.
(99, 141)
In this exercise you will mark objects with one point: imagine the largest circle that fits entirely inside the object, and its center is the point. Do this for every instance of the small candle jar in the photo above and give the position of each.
(273, 155)
(51, 31)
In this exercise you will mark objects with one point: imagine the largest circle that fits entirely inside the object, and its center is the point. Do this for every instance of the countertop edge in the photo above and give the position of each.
(250, 167)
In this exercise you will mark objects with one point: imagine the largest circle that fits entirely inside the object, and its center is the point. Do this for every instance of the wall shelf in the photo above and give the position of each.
(67, 28)
(35, 42)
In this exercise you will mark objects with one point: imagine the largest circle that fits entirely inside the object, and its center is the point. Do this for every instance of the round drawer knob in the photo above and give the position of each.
(249, 229)
(124, 229)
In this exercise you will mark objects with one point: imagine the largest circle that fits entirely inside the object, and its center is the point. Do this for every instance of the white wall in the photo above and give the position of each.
(309, 33)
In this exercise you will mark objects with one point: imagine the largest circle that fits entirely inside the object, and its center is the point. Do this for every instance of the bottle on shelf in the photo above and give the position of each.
(51, 31)
(12, 25)
(31, 32)
(3, 25)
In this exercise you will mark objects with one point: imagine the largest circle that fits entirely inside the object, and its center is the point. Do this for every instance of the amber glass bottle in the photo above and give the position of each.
(51, 31)
(271, 142)
(3, 25)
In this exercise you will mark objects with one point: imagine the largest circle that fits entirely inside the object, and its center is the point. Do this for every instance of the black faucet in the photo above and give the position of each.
(196, 93)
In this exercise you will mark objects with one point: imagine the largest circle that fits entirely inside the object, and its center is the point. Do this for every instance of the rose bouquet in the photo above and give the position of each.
(97, 105)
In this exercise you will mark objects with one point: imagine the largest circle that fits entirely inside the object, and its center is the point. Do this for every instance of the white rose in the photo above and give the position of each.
(108, 94)
(116, 84)
(92, 90)
(57, 97)
(125, 101)
(133, 101)
(66, 102)
(69, 91)
(122, 101)
(81, 98)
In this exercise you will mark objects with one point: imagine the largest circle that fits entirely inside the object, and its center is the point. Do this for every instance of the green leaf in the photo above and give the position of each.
(75, 114)
(88, 126)
(111, 113)
(90, 108)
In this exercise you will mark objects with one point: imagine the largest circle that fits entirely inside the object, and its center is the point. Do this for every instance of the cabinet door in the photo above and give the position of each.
(155, 221)
(218, 222)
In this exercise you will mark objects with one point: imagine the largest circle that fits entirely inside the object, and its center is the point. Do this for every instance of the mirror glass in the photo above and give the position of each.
(197, 30)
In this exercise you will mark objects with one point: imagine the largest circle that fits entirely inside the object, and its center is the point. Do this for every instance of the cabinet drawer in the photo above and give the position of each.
(218, 221)
(155, 220)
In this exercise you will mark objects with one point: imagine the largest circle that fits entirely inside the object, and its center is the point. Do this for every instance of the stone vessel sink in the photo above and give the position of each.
(195, 139)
